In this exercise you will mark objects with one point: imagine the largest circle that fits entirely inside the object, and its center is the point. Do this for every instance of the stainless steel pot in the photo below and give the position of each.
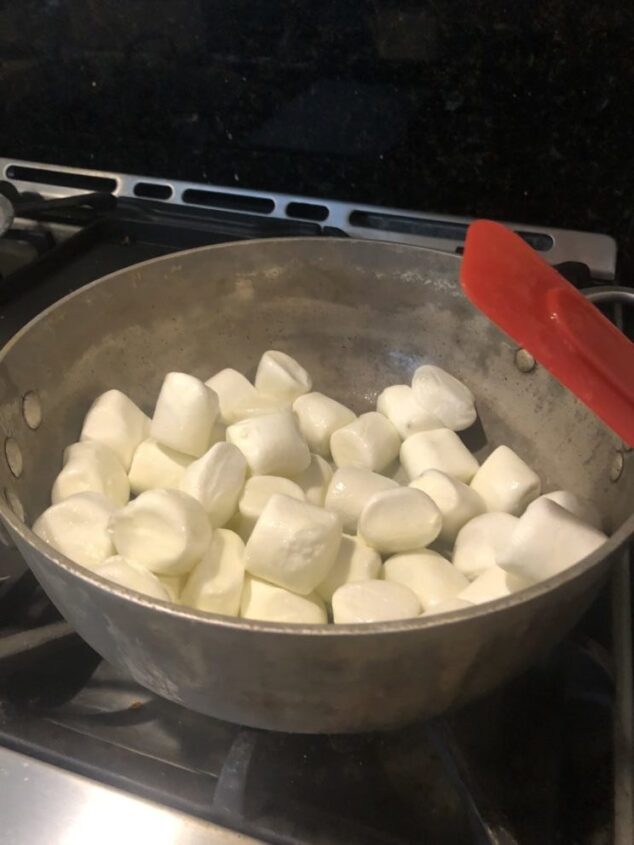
(359, 315)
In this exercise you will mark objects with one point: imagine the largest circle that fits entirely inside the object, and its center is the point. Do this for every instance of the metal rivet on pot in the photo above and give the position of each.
(32, 409)
(616, 467)
(13, 455)
(524, 361)
(14, 503)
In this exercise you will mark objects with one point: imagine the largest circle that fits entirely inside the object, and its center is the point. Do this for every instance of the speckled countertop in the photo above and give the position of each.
(521, 111)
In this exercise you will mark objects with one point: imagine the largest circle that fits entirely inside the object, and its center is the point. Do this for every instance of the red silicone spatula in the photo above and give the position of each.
(530, 301)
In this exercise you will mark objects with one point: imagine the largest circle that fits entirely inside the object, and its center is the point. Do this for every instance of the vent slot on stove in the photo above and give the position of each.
(307, 211)
(539, 241)
(426, 228)
(403, 225)
(45, 176)
(234, 202)
(153, 191)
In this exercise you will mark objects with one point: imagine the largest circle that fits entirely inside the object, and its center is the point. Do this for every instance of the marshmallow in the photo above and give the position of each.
(271, 444)
(174, 586)
(349, 491)
(505, 482)
(164, 530)
(448, 606)
(78, 528)
(456, 501)
(185, 413)
(319, 417)
(232, 389)
(440, 449)
(370, 442)
(493, 584)
(314, 480)
(427, 574)
(126, 574)
(293, 544)
(482, 541)
(547, 540)
(155, 466)
(216, 481)
(443, 396)
(400, 405)
(239, 399)
(373, 601)
(256, 494)
(115, 421)
(89, 466)
(581, 508)
(215, 583)
(354, 562)
(280, 375)
(269, 603)
(399, 521)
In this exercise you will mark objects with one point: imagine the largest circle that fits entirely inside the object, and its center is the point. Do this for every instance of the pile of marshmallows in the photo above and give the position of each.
(240, 511)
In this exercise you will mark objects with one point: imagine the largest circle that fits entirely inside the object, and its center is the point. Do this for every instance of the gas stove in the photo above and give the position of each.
(87, 754)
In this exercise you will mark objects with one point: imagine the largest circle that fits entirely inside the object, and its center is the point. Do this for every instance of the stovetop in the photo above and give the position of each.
(539, 761)
(531, 764)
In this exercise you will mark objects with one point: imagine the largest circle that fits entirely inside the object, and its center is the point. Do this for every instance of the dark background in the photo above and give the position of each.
(519, 110)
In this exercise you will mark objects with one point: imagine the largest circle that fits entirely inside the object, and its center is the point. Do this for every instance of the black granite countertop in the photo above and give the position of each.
(522, 111)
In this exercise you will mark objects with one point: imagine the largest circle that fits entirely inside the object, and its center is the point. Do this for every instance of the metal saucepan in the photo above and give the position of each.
(359, 315)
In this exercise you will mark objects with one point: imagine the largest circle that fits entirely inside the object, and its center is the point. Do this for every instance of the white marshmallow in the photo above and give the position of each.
(440, 449)
(448, 606)
(457, 502)
(293, 544)
(370, 442)
(115, 421)
(400, 405)
(268, 603)
(174, 586)
(373, 601)
(429, 575)
(399, 521)
(349, 491)
(280, 375)
(271, 444)
(547, 540)
(314, 480)
(239, 400)
(354, 562)
(233, 390)
(216, 481)
(445, 397)
(126, 574)
(215, 583)
(581, 508)
(319, 417)
(78, 528)
(164, 530)
(185, 413)
(493, 584)
(256, 494)
(89, 466)
(505, 482)
(155, 466)
(482, 541)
